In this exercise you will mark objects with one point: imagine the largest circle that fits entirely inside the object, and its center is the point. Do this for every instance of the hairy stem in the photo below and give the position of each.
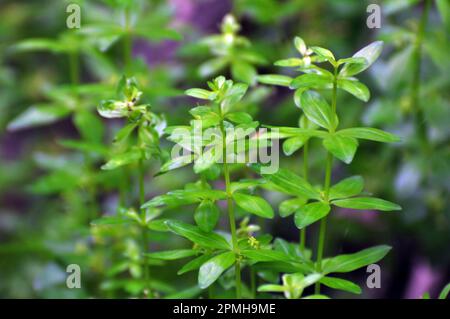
(327, 183)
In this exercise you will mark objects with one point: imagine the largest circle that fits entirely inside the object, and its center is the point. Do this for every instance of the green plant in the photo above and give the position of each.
(209, 152)
(311, 204)
(145, 146)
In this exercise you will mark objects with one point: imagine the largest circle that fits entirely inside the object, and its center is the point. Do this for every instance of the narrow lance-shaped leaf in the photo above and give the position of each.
(275, 79)
(172, 254)
(196, 235)
(341, 284)
(369, 133)
(366, 203)
(350, 262)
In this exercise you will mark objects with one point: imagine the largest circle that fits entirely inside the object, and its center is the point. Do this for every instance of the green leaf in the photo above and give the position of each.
(291, 145)
(233, 96)
(348, 187)
(354, 87)
(350, 262)
(245, 184)
(291, 184)
(370, 53)
(310, 213)
(275, 79)
(271, 288)
(368, 133)
(201, 94)
(38, 44)
(341, 284)
(239, 117)
(244, 72)
(207, 215)
(300, 45)
(124, 132)
(311, 81)
(265, 255)
(194, 264)
(291, 62)
(185, 197)
(289, 206)
(366, 203)
(41, 114)
(172, 254)
(323, 53)
(211, 270)
(445, 291)
(317, 110)
(118, 160)
(176, 163)
(342, 147)
(253, 204)
(196, 235)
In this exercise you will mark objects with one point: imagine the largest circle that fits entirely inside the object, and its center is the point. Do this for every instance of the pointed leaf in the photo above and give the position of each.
(207, 215)
(196, 235)
(342, 147)
(356, 88)
(348, 187)
(275, 79)
(366, 203)
(341, 284)
(369, 133)
(211, 270)
(253, 204)
(172, 254)
(350, 262)
(310, 213)
(317, 110)
(370, 53)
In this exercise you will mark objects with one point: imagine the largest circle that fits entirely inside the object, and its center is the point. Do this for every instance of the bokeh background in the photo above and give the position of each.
(50, 189)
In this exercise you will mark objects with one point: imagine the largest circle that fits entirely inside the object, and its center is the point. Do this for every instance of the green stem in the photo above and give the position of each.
(419, 118)
(305, 175)
(145, 241)
(74, 68)
(127, 43)
(231, 217)
(327, 183)
(253, 279)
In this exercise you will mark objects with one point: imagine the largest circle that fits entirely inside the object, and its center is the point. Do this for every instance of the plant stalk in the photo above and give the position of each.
(327, 183)
(305, 175)
(231, 217)
(127, 43)
(419, 117)
(145, 241)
